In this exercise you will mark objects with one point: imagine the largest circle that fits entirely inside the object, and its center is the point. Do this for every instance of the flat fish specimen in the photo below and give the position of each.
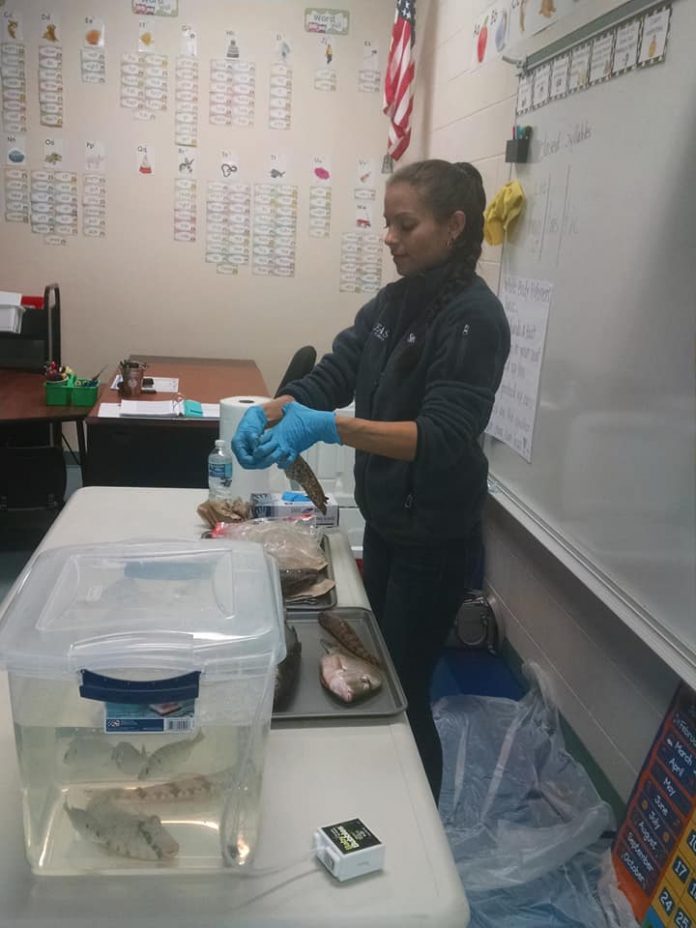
(167, 758)
(302, 473)
(348, 677)
(343, 632)
(311, 593)
(143, 837)
(288, 670)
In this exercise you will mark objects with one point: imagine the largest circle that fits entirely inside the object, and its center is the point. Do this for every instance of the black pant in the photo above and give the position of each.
(415, 593)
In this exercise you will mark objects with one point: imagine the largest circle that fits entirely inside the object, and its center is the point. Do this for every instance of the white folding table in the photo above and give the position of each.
(315, 774)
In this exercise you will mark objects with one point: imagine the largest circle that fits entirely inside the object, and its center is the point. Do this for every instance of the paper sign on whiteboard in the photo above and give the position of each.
(526, 305)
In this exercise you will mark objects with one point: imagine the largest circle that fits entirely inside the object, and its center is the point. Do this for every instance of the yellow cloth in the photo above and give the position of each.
(502, 211)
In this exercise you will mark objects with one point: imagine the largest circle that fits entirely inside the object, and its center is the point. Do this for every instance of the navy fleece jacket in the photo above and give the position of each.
(447, 388)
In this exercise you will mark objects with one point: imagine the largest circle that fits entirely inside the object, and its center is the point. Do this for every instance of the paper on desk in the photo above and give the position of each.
(159, 384)
(109, 411)
(10, 318)
(147, 409)
(113, 410)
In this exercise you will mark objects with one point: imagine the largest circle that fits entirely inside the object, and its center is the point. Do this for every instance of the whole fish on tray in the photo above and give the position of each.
(288, 670)
(344, 633)
(349, 677)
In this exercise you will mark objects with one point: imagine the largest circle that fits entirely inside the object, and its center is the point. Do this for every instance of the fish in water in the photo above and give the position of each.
(128, 758)
(348, 677)
(288, 670)
(88, 750)
(196, 787)
(168, 757)
(139, 836)
(302, 473)
(344, 633)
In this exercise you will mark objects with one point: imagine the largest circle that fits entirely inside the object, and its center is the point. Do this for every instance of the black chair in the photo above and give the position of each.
(301, 363)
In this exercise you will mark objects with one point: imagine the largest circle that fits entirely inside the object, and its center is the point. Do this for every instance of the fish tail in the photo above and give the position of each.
(302, 473)
(343, 633)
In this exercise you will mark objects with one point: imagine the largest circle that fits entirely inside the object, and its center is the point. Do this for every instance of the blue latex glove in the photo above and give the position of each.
(247, 437)
(299, 429)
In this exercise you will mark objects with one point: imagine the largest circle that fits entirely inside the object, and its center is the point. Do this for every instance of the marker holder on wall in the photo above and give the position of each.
(517, 151)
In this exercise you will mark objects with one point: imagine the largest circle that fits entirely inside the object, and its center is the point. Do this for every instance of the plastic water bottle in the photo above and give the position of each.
(220, 471)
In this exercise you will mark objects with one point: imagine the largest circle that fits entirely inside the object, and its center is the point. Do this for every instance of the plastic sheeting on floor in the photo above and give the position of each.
(529, 833)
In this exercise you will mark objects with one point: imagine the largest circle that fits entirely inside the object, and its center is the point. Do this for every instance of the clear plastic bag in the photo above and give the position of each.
(295, 543)
(523, 818)
(581, 893)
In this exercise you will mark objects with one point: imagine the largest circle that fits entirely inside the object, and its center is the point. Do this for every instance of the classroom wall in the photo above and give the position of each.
(136, 289)
(610, 687)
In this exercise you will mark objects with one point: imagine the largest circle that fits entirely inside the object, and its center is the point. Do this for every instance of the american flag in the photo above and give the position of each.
(398, 82)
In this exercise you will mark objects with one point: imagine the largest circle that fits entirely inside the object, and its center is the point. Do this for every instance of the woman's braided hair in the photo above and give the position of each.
(446, 187)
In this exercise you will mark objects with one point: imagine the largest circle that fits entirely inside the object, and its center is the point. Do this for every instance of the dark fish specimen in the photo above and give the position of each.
(345, 634)
(295, 580)
(288, 670)
(348, 677)
(302, 473)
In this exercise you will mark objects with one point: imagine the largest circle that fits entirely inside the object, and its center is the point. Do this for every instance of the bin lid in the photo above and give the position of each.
(214, 606)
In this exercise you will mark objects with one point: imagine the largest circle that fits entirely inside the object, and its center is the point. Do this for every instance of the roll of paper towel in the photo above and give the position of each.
(244, 482)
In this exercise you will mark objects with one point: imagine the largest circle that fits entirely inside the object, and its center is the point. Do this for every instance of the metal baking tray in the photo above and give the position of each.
(311, 700)
(328, 600)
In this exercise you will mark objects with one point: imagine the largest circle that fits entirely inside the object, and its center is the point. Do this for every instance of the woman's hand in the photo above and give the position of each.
(299, 429)
(247, 436)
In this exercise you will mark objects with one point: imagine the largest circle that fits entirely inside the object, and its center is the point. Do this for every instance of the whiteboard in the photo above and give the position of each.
(611, 222)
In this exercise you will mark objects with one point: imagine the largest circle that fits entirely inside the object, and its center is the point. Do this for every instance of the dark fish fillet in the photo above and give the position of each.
(343, 633)
(302, 473)
(287, 671)
(294, 580)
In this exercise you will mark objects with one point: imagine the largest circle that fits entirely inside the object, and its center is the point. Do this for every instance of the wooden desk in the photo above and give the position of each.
(166, 452)
(22, 400)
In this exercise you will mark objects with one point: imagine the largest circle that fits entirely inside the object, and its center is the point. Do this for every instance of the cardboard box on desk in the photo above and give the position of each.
(282, 505)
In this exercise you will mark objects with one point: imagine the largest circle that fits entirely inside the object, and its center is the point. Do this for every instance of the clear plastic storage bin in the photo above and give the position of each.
(141, 679)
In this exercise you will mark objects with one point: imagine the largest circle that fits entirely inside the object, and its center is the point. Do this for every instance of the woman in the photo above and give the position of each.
(422, 360)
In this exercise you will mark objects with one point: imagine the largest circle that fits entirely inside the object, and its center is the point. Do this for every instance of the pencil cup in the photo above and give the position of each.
(131, 383)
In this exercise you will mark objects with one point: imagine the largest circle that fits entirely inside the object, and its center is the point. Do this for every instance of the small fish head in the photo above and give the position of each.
(361, 683)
